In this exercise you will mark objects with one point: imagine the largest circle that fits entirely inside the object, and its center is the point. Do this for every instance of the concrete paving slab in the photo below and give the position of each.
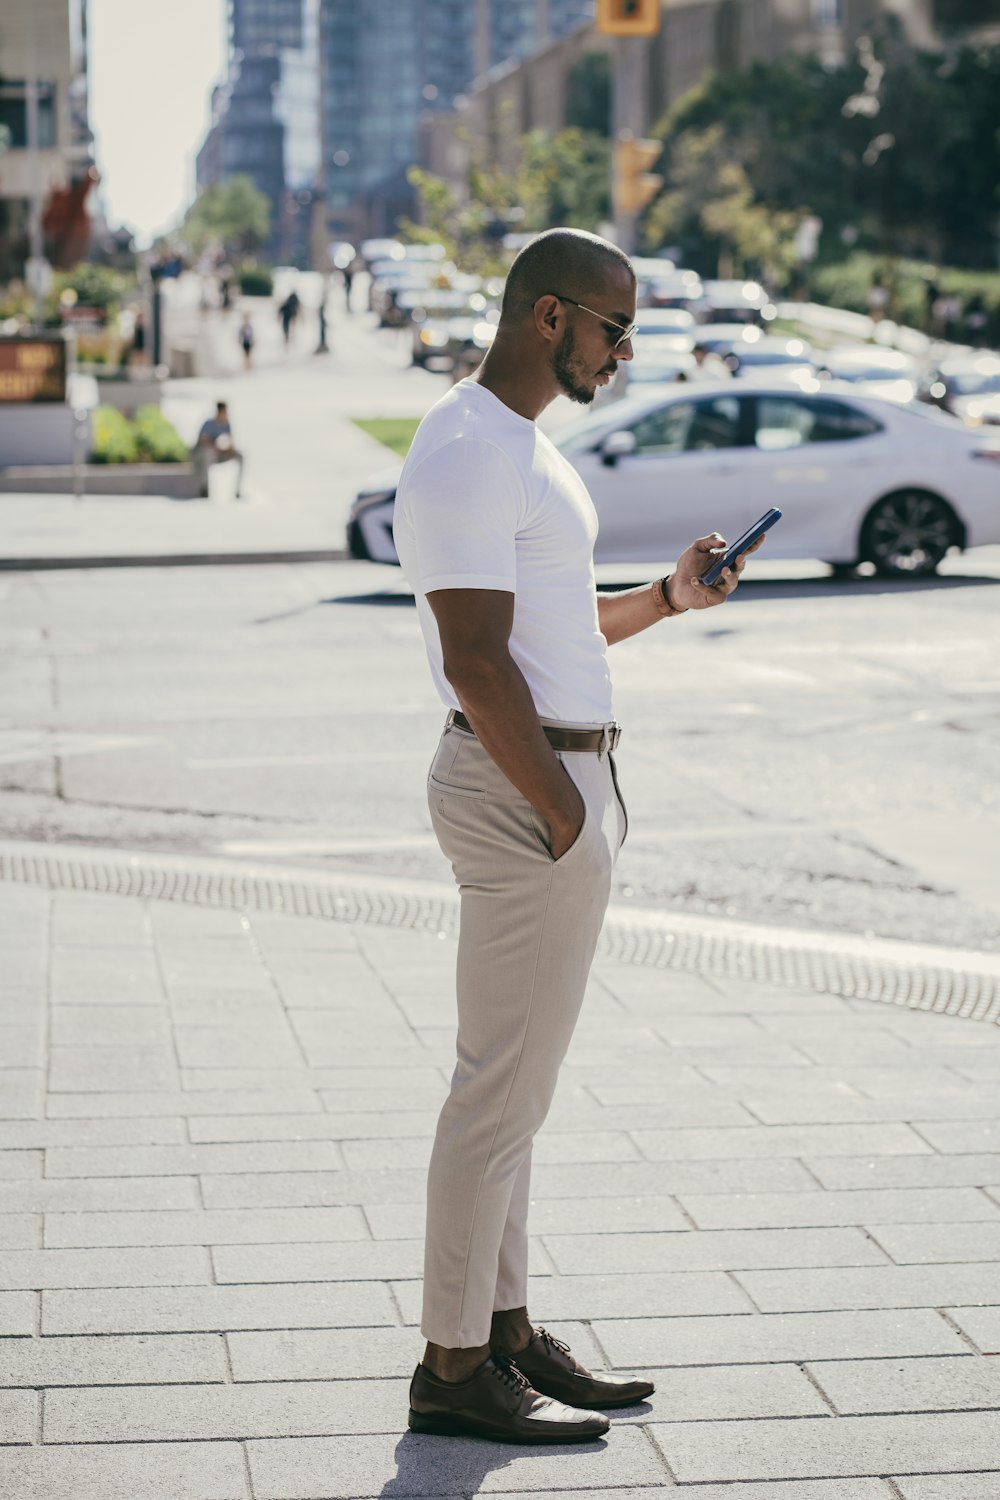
(149, 1266)
(797, 1337)
(979, 1324)
(802, 1290)
(719, 1250)
(111, 1360)
(154, 1471)
(825, 1447)
(782, 1140)
(923, 1244)
(18, 1416)
(865, 1387)
(275, 1227)
(211, 1309)
(912, 1206)
(95, 1194)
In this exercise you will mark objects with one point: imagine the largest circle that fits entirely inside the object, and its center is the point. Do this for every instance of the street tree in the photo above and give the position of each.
(234, 215)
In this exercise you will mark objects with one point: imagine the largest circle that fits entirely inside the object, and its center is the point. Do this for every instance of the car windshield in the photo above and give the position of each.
(643, 372)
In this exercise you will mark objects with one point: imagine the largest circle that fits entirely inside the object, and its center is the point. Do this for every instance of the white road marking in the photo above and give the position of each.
(40, 744)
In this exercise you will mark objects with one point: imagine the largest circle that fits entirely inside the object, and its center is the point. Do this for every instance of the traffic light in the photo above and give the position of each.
(634, 185)
(628, 17)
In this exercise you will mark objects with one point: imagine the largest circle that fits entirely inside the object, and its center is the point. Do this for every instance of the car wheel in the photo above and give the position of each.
(906, 534)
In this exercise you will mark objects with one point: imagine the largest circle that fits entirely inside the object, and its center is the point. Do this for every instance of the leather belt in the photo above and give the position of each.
(598, 740)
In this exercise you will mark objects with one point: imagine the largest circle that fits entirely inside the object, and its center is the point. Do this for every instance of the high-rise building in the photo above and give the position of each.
(382, 65)
(385, 63)
(265, 117)
(47, 148)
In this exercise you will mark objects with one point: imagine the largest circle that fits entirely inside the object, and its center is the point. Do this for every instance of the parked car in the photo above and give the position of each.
(967, 385)
(733, 302)
(662, 284)
(666, 322)
(858, 478)
(759, 357)
(871, 370)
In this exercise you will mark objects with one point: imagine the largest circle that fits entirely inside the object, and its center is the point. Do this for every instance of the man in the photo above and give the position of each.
(495, 531)
(215, 446)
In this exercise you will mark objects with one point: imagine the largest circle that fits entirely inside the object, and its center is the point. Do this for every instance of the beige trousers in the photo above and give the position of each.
(529, 928)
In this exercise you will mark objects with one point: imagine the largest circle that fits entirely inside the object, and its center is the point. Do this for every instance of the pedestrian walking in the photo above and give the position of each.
(495, 531)
(288, 312)
(246, 337)
(348, 274)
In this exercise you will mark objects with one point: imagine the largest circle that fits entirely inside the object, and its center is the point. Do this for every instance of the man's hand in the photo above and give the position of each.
(686, 590)
(564, 831)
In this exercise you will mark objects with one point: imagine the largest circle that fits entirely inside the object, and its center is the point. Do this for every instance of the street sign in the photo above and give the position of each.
(628, 17)
(32, 369)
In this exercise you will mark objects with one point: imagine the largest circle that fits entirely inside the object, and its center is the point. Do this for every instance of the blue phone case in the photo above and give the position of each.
(767, 520)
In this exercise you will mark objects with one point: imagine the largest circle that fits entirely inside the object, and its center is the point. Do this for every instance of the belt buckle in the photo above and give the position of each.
(610, 735)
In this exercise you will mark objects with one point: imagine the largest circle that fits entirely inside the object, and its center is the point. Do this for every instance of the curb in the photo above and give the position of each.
(919, 976)
(171, 560)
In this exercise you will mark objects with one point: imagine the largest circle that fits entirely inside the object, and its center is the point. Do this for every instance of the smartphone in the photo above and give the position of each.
(748, 538)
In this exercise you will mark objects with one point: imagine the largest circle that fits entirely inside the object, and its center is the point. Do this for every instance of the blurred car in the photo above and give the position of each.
(759, 357)
(967, 385)
(451, 333)
(875, 371)
(666, 322)
(384, 249)
(652, 364)
(733, 302)
(857, 477)
(720, 338)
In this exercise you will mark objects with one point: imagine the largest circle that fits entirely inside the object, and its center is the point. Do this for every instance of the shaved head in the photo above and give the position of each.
(570, 261)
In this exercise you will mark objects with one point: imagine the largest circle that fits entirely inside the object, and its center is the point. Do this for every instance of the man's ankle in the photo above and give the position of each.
(454, 1365)
(511, 1332)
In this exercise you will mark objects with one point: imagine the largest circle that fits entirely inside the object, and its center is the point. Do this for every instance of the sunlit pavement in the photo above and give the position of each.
(783, 1204)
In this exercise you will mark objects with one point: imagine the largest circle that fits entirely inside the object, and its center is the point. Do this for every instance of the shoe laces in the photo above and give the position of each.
(505, 1370)
(550, 1341)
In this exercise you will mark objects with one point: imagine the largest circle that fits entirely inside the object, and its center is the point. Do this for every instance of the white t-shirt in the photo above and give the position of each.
(485, 501)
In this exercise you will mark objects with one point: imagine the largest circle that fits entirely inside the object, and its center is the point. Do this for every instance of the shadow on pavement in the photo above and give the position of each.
(446, 1466)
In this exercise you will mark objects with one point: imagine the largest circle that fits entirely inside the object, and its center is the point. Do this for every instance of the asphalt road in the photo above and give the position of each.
(817, 753)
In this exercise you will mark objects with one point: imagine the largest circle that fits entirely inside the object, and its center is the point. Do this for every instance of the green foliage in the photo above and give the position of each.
(235, 215)
(588, 93)
(148, 438)
(846, 284)
(113, 440)
(709, 196)
(255, 281)
(393, 432)
(157, 440)
(95, 286)
(896, 150)
(560, 179)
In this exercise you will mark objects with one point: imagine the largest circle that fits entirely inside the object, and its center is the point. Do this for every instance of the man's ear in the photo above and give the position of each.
(546, 311)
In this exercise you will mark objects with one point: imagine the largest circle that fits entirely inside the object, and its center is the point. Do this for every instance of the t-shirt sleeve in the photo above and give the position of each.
(465, 505)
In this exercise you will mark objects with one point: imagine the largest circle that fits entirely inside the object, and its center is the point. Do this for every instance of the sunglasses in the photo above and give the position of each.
(611, 328)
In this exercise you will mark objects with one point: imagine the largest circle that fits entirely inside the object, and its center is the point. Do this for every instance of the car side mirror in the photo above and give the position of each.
(617, 445)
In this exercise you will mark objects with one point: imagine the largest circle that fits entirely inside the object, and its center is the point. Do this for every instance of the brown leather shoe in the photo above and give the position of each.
(552, 1369)
(496, 1402)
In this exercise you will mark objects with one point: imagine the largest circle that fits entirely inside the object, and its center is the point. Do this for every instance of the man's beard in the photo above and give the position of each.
(565, 367)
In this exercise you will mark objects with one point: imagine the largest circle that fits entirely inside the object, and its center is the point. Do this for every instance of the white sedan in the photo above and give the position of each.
(859, 479)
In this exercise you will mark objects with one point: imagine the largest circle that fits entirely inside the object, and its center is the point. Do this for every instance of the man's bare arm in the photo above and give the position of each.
(474, 626)
(625, 614)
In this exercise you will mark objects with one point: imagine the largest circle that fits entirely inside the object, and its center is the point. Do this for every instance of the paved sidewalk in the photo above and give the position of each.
(213, 1132)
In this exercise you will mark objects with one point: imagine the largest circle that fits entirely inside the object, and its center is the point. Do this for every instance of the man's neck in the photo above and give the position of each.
(503, 372)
